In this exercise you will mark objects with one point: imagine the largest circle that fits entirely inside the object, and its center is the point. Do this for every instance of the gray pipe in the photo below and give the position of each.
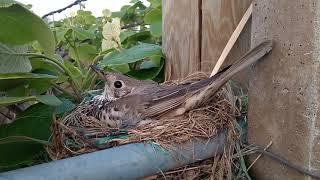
(131, 161)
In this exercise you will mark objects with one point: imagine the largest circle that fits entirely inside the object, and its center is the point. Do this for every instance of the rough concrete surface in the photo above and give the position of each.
(284, 87)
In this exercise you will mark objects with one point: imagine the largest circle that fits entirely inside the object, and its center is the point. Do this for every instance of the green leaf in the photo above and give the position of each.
(156, 29)
(49, 100)
(76, 72)
(6, 3)
(146, 74)
(62, 79)
(65, 107)
(89, 80)
(26, 81)
(134, 1)
(82, 34)
(18, 91)
(155, 61)
(154, 18)
(108, 51)
(26, 76)
(33, 123)
(39, 86)
(45, 99)
(13, 80)
(155, 3)
(86, 52)
(20, 26)
(61, 32)
(5, 101)
(84, 18)
(123, 68)
(10, 62)
(131, 55)
(117, 14)
(43, 64)
(125, 34)
(142, 36)
(13, 139)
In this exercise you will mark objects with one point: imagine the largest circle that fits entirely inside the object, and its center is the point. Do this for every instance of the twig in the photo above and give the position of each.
(270, 143)
(5, 115)
(127, 26)
(62, 9)
(285, 162)
(232, 40)
(64, 90)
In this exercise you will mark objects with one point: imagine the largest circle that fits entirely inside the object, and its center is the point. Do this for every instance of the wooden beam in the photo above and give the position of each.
(181, 37)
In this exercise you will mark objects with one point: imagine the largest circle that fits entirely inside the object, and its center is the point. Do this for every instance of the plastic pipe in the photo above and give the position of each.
(131, 161)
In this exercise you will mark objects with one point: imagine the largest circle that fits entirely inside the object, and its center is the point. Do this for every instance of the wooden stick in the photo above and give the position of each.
(232, 40)
(270, 143)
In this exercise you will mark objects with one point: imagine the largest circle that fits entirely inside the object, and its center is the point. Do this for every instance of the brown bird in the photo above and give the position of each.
(126, 101)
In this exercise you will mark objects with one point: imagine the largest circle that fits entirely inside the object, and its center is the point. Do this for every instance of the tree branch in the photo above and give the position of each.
(62, 9)
(127, 26)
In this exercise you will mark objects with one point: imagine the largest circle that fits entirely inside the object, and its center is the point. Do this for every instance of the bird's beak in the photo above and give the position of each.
(99, 71)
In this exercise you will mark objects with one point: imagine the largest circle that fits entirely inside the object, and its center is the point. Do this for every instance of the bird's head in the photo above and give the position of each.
(116, 85)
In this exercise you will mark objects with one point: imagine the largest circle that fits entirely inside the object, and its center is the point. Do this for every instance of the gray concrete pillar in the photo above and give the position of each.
(284, 87)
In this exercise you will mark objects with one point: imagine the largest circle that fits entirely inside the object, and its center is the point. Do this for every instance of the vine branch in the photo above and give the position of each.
(127, 26)
(63, 9)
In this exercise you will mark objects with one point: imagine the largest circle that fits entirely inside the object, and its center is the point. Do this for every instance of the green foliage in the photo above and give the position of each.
(128, 41)
(149, 73)
(33, 123)
(154, 18)
(25, 76)
(25, 84)
(14, 17)
(45, 99)
(131, 55)
(22, 141)
(11, 62)
(48, 100)
(86, 52)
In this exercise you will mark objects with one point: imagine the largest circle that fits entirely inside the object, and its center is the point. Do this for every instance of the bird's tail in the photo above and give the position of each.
(217, 81)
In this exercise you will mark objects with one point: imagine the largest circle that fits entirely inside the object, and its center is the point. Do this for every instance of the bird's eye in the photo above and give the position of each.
(117, 84)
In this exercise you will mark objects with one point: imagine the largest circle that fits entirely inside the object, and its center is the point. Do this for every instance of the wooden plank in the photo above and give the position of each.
(181, 37)
(219, 20)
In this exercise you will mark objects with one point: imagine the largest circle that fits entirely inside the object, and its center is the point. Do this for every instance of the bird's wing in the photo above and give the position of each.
(167, 98)
(195, 94)
(246, 60)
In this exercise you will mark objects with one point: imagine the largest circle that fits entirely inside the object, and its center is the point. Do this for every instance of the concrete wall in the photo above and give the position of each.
(284, 88)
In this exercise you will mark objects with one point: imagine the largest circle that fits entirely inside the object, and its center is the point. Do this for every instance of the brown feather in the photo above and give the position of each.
(193, 95)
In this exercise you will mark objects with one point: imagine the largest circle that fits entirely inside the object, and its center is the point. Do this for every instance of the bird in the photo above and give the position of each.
(125, 102)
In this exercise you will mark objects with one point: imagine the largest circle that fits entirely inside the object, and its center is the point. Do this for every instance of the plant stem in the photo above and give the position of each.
(53, 64)
(77, 56)
(74, 47)
(90, 71)
(74, 82)
(64, 90)
(127, 26)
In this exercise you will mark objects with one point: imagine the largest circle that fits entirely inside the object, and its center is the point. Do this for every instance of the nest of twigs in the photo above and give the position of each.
(77, 133)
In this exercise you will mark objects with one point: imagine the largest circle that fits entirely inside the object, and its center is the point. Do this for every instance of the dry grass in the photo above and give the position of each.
(76, 133)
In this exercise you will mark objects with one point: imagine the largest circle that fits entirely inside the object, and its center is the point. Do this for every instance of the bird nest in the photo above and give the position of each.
(77, 133)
